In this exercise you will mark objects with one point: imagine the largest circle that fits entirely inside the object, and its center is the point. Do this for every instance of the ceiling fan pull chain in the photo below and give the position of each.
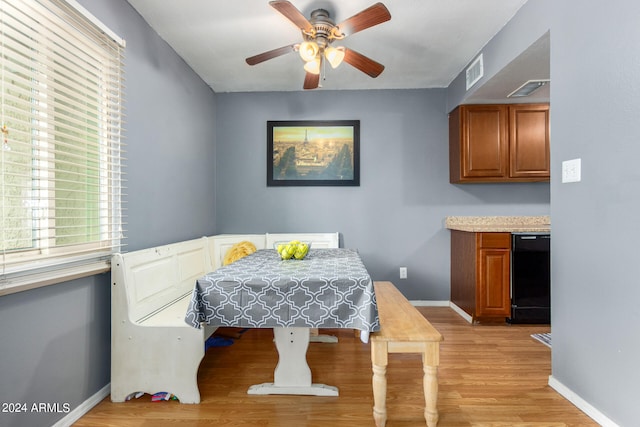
(324, 69)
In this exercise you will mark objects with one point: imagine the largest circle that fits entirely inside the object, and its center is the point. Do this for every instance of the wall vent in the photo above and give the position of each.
(528, 88)
(475, 71)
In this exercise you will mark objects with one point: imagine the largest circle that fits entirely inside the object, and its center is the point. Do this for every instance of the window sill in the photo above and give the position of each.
(25, 282)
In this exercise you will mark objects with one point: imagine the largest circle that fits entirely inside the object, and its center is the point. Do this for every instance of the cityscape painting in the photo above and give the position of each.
(313, 153)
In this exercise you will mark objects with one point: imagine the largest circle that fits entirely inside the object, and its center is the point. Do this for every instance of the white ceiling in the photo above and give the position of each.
(426, 44)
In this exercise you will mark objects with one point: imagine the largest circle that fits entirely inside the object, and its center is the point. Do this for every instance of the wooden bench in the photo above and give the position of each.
(403, 330)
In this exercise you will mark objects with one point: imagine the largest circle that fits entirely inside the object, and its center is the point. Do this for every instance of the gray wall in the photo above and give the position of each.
(595, 98)
(525, 28)
(595, 105)
(55, 347)
(396, 216)
(55, 341)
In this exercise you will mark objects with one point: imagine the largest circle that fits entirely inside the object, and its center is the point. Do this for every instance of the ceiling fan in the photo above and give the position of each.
(318, 33)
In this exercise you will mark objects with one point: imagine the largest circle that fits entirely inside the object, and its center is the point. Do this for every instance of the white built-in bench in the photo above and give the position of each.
(152, 348)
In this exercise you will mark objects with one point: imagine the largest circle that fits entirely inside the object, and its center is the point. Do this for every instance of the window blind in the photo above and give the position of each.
(61, 87)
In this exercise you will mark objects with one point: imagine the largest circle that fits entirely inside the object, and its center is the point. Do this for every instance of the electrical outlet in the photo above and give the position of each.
(403, 272)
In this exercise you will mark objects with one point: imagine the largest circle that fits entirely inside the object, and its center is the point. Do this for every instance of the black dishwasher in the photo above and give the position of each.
(530, 278)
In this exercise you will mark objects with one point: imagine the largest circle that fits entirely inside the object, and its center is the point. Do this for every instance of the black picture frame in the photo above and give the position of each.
(313, 153)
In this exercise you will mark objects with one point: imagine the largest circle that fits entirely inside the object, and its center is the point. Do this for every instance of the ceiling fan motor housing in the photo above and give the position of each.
(324, 29)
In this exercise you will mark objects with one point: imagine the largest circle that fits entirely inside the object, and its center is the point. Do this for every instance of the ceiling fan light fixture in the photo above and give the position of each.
(313, 66)
(334, 55)
(308, 50)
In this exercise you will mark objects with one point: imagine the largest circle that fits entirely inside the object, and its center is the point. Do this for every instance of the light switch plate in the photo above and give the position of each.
(571, 170)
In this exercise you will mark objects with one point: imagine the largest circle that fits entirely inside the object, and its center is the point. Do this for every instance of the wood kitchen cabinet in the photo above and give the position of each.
(480, 274)
(499, 143)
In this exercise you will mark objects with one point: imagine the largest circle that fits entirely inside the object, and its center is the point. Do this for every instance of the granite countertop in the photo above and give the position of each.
(505, 224)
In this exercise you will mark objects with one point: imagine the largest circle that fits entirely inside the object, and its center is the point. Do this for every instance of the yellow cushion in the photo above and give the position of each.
(237, 251)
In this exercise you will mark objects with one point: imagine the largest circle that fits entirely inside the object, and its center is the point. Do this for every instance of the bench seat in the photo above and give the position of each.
(173, 316)
(170, 315)
(403, 329)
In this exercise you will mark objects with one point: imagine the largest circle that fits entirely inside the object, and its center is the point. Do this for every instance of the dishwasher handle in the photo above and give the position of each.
(531, 243)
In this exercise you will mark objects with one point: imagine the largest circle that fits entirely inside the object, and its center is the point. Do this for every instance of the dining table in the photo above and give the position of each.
(329, 288)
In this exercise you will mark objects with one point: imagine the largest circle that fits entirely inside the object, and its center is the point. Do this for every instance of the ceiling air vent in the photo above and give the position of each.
(475, 71)
(528, 88)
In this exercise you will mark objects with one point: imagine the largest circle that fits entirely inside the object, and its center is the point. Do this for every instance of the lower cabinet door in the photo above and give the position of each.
(493, 284)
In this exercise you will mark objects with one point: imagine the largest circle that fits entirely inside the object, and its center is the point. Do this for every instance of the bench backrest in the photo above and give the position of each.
(318, 240)
(220, 244)
(154, 278)
(151, 279)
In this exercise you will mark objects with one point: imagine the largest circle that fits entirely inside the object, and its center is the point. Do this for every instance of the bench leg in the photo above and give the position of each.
(430, 384)
(379, 361)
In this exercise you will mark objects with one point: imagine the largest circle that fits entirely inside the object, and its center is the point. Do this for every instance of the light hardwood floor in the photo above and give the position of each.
(490, 375)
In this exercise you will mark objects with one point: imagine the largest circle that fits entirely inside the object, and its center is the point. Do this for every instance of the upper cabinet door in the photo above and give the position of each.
(499, 143)
(529, 141)
(484, 141)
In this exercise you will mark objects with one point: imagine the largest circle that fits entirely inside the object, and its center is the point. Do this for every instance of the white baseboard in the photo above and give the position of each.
(84, 407)
(461, 312)
(580, 403)
(454, 307)
(419, 303)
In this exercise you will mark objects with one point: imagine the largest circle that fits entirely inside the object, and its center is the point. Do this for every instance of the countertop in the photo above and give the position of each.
(504, 224)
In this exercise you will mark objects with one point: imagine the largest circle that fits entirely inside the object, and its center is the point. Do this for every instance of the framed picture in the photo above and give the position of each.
(313, 153)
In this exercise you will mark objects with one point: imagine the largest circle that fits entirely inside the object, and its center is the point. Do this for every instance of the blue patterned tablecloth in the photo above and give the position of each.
(330, 288)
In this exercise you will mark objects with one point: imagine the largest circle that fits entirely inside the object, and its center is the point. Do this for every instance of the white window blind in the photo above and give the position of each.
(61, 87)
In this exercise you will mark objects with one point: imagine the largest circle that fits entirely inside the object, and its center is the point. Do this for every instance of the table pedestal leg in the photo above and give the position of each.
(292, 374)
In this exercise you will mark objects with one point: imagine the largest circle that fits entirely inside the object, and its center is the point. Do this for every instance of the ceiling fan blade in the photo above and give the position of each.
(363, 63)
(261, 57)
(374, 15)
(292, 14)
(311, 81)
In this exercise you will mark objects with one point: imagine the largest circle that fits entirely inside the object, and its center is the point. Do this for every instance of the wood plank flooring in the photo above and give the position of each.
(490, 375)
